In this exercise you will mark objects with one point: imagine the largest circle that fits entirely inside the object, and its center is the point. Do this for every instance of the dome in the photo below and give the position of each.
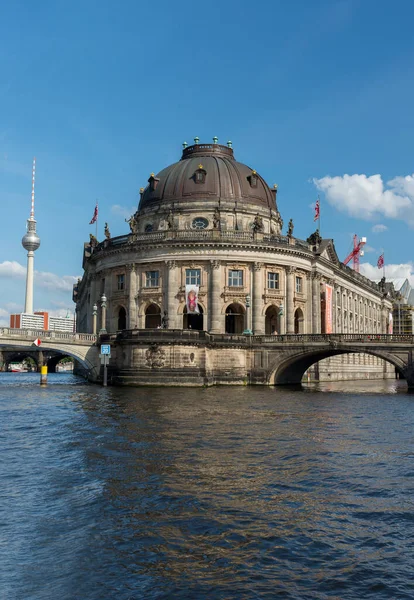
(208, 172)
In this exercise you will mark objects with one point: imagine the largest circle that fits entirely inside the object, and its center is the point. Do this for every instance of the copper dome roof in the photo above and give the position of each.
(224, 178)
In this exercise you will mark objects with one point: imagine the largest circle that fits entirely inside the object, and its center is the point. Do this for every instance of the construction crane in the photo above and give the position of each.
(356, 252)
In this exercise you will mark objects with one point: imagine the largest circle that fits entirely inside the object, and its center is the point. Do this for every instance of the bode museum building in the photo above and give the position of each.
(205, 256)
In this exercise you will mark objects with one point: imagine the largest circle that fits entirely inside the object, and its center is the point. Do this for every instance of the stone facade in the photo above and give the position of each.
(213, 222)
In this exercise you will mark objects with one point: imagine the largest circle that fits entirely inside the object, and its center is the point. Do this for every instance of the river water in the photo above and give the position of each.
(218, 493)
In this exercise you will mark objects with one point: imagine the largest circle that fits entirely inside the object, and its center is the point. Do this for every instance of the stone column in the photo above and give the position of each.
(308, 321)
(171, 294)
(290, 319)
(93, 297)
(258, 318)
(216, 318)
(132, 289)
(316, 303)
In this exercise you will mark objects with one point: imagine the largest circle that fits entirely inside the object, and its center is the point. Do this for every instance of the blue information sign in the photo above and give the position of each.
(105, 349)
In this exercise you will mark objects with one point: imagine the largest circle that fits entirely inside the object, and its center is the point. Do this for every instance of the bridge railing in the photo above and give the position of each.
(192, 335)
(59, 336)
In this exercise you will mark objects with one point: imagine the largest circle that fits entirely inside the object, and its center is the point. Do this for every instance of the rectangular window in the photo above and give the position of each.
(152, 279)
(121, 282)
(273, 281)
(235, 278)
(193, 277)
(298, 285)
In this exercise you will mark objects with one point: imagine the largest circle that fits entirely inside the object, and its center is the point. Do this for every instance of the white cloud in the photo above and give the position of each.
(368, 249)
(123, 211)
(379, 228)
(4, 318)
(50, 281)
(401, 271)
(12, 269)
(366, 197)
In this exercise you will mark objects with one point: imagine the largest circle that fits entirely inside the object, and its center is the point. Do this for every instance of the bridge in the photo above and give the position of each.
(80, 346)
(265, 359)
(275, 359)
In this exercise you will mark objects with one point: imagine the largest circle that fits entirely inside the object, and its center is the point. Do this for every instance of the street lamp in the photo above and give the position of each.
(247, 331)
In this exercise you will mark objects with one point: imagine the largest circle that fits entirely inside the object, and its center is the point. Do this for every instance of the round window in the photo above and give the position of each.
(148, 228)
(199, 223)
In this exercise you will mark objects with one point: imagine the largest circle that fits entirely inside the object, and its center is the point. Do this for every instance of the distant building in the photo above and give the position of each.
(403, 307)
(41, 321)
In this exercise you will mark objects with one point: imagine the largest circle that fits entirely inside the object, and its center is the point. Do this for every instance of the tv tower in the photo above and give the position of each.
(30, 242)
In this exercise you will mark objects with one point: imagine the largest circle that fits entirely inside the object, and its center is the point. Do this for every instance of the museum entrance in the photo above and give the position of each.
(193, 320)
(235, 318)
(152, 317)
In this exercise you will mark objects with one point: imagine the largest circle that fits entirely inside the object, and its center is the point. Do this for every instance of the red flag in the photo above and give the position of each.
(95, 215)
(37, 342)
(380, 261)
(317, 210)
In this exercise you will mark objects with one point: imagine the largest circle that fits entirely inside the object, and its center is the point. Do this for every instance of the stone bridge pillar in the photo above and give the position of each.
(2, 365)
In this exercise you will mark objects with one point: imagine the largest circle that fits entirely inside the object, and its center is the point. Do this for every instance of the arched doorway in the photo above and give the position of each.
(193, 320)
(299, 321)
(152, 317)
(235, 318)
(272, 320)
(121, 318)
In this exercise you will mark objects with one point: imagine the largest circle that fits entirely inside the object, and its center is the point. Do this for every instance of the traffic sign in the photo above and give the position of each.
(106, 349)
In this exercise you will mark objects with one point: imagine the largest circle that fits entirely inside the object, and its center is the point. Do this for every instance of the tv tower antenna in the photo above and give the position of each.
(30, 242)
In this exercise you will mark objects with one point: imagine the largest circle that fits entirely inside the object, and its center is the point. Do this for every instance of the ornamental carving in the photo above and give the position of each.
(257, 266)
(171, 264)
(215, 264)
(155, 357)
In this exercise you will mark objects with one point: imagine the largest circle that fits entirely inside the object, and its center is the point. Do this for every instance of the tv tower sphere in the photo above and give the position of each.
(31, 241)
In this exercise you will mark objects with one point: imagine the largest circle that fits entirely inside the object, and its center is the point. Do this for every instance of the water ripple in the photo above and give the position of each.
(219, 494)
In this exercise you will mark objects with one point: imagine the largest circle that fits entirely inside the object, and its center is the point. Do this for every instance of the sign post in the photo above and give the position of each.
(105, 355)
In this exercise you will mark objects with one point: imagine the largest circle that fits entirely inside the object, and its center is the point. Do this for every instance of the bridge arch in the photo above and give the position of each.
(290, 368)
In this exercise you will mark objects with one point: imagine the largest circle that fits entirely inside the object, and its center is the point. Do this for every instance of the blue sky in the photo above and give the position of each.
(316, 96)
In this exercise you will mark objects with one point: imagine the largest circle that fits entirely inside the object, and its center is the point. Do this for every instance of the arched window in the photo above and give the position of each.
(121, 318)
(193, 320)
(235, 318)
(152, 317)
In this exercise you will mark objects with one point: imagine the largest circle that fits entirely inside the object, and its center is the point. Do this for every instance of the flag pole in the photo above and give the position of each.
(319, 216)
(383, 264)
(97, 217)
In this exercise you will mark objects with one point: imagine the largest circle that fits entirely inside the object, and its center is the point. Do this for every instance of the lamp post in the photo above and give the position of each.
(94, 315)
(247, 330)
(103, 314)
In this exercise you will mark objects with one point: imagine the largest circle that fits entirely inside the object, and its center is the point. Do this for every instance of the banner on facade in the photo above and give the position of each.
(390, 324)
(328, 308)
(191, 299)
